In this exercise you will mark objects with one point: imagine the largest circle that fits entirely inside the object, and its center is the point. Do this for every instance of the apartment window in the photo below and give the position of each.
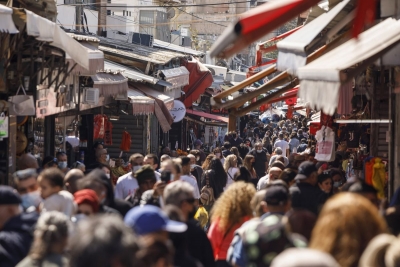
(130, 13)
(108, 12)
(123, 13)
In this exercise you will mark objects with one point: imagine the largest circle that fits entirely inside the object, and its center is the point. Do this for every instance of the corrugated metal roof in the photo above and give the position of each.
(177, 48)
(129, 73)
(138, 52)
(85, 38)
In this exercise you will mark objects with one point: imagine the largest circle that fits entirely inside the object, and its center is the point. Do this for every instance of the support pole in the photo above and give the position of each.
(232, 122)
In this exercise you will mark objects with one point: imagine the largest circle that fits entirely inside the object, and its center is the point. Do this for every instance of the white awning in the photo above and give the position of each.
(96, 61)
(110, 84)
(6, 21)
(141, 104)
(293, 50)
(178, 77)
(320, 80)
(47, 31)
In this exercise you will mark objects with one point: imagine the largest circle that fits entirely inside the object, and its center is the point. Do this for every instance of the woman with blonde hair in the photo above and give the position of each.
(206, 163)
(249, 162)
(346, 224)
(235, 151)
(230, 211)
(230, 167)
(50, 240)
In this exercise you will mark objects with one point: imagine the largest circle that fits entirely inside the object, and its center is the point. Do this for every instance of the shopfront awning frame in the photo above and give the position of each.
(293, 50)
(320, 80)
(7, 24)
(207, 115)
(110, 84)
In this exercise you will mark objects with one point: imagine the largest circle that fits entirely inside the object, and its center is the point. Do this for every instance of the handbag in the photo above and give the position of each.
(207, 193)
(22, 105)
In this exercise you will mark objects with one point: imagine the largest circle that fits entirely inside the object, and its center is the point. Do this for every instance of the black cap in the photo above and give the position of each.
(276, 195)
(306, 168)
(8, 196)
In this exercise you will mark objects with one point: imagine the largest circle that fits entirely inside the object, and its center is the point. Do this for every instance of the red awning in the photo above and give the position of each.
(256, 23)
(200, 78)
(207, 115)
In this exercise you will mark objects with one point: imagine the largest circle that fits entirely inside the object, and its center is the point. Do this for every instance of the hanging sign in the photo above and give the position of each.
(179, 111)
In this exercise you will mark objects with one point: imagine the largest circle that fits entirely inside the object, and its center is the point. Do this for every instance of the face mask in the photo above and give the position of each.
(62, 165)
(107, 157)
(234, 136)
(259, 150)
(336, 184)
(31, 199)
(136, 168)
(108, 175)
(192, 166)
(197, 159)
(218, 155)
(79, 217)
(172, 177)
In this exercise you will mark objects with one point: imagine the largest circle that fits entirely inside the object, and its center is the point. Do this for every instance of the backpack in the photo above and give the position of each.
(207, 193)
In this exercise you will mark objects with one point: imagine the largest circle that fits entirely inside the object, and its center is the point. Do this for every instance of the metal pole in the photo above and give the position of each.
(392, 141)
(78, 15)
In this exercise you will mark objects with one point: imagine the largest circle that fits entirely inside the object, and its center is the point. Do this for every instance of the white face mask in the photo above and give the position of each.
(259, 150)
(218, 155)
(172, 176)
(197, 159)
(107, 157)
(31, 199)
(62, 165)
(108, 175)
(192, 166)
(136, 168)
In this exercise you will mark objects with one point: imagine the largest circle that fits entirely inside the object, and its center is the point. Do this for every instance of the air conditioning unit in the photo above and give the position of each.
(91, 96)
(217, 70)
(122, 97)
(141, 39)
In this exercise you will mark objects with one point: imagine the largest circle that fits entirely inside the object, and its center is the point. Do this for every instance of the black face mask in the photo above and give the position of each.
(253, 164)
(234, 136)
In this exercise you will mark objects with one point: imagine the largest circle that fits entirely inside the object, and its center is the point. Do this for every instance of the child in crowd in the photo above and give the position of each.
(54, 198)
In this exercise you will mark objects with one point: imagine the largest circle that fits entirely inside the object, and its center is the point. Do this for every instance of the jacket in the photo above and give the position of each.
(307, 196)
(16, 238)
(51, 260)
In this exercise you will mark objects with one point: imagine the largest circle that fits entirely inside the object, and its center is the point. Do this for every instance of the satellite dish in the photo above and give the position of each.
(172, 13)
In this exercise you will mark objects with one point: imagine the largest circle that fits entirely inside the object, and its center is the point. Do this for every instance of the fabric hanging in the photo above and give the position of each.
(108, 133)
(369, 170)
(126, 142)
(378, 177)
(345, 97)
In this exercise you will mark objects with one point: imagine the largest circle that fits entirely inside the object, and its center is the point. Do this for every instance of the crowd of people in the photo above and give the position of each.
(259, 199)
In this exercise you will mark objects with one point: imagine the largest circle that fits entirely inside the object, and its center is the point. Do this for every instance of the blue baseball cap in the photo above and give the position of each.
(150, 219)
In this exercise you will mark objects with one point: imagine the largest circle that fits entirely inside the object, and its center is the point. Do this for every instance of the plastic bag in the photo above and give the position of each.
(325, 149)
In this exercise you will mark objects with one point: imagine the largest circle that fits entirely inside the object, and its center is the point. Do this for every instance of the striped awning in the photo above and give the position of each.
(141, 104)
(110, 84)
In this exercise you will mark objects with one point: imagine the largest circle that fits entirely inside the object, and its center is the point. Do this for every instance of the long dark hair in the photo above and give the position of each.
(220, 174)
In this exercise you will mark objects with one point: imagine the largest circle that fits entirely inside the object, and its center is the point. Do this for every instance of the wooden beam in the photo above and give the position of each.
(266, 99)
(243, 84)
(232, 122)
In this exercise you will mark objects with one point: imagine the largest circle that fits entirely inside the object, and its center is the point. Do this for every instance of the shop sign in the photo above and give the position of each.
(179, 111)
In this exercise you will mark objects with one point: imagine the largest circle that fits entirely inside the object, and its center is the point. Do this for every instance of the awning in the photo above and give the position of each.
(96, 61)
(294, 49)
(256, 23)
(162, 105)
(207, 115)
(45, 30)
(6, 21)
(178, 77)
(320, 80)
(200, 79)
(141, 104)
(110, 84)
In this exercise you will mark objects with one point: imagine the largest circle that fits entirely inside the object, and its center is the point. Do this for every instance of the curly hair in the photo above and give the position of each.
(346, 239)
(233, 205)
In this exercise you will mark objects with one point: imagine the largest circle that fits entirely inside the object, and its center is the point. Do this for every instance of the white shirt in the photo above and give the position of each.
(283, 145)
(126, 185)
(192, 181)
(263, 182)
(231, 174)
(62, 201)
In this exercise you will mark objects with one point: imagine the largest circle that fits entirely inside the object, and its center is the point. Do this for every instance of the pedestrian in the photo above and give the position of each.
(231, 168)
(188, 177)
(383, 250)
(261, 159)
(249, 163)
(127, 184)
(25, 181)
(152, 160)
(284, 145)
(146, 179)
(345, 226)
(288, 176)
(304, 192)
(303, 145)
(235, 151)
(195, 170)
(51, 182)
(50, 240)
(16, 228)
(27, 161)
(243, 175)
(218, 154)
(230, 211)
(79, 166)
(103, 241)
(278, 153)
(71, 179)
(62, 159)
(293, 143)
(217, 179)
(207, 161)
(49, 162)
(154, 254)
(300, 257)
(273, 175)
(226, 149)
(180, 195)
(325, 182)
(87, 202)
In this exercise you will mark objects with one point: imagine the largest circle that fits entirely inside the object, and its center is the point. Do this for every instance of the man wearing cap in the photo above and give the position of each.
(151, 222)
(27, 186)
(16, 228)
(275, 204)
(304, 193)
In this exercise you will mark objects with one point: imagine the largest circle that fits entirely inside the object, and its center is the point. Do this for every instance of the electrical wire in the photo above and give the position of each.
(212, 22)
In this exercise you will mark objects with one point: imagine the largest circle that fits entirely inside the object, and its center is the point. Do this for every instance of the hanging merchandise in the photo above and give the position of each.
(325, 149)
(289, 113)
(108, 132)
(126, 142)
(99, 127)
(3, 126)
(379, 177)
(22, 105)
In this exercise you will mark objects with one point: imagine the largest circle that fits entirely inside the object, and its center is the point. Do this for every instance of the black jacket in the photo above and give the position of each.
(16, 238)
(307, 196)
(199, 246)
